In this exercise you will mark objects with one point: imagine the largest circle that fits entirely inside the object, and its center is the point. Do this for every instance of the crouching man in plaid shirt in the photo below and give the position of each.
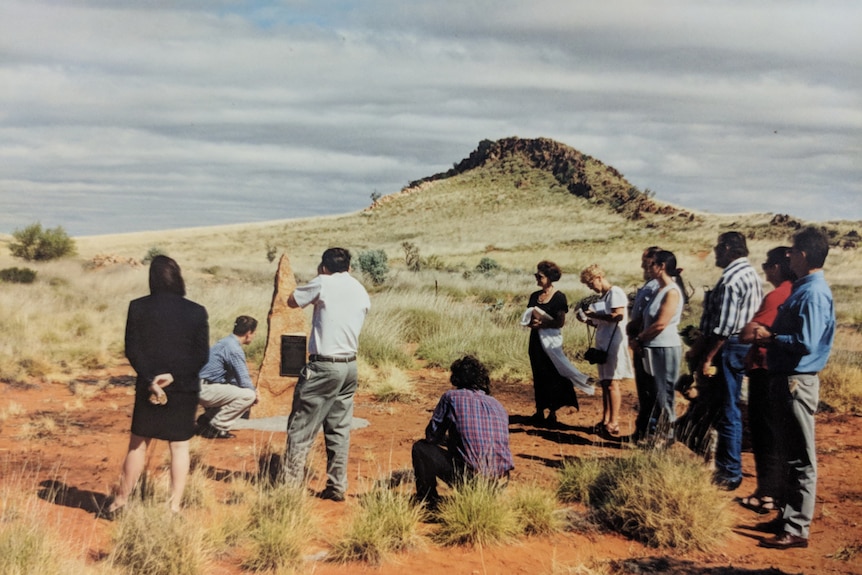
(474, 427)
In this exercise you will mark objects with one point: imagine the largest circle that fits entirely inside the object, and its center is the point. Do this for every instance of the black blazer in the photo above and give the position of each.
(166, 333)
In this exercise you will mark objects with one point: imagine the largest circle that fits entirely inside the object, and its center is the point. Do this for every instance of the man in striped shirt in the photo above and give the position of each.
(720, 355)
(473, 425)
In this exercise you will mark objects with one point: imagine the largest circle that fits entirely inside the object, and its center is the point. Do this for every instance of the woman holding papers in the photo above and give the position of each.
(554, 377)
(606, 315)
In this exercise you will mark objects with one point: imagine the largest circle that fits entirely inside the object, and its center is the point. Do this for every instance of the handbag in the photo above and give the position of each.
(595, 355)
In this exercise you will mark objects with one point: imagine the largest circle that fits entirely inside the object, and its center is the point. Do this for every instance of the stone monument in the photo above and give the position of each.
(276, 391)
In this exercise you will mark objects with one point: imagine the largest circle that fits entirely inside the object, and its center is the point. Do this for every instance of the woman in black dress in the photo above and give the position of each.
(552, 390)
(167, 344)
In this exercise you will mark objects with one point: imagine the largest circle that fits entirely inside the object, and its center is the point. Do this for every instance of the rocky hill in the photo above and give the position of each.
(582, 175)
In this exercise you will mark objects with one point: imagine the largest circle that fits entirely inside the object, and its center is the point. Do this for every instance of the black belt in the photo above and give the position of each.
(332, 358)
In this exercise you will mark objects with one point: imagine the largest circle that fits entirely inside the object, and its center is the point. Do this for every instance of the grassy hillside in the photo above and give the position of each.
(510, 202)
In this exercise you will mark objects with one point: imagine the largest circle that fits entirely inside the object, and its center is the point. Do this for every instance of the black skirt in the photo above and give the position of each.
(174, 421)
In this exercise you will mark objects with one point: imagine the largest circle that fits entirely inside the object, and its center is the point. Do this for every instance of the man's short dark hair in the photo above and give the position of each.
(469, 373)
(244, 324)
(735, 244)
(336, 260)
(550, 270)
(815, 243)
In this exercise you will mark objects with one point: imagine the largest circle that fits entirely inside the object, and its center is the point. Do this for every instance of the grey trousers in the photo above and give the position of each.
(225, 403)
(323, 398)
(800, 396)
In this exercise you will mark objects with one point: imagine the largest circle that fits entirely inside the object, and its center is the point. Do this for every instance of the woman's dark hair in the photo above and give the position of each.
(165, 276)
(550, 270)
(244, 324)
(336, 260)
(668, 259)
(469, 373)
(780, 257)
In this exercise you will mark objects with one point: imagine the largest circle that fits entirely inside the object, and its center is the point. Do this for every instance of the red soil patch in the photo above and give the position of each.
(84, 452)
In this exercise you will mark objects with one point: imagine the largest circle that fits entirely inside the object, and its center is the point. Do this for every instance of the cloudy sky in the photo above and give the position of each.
(127, 115)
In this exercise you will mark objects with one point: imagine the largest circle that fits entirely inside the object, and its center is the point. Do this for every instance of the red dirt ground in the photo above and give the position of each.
(83, 456)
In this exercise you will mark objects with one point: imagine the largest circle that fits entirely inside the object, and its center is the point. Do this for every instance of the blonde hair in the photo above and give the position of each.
(591, 272)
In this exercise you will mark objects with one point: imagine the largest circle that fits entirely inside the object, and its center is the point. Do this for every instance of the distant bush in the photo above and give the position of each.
(411, 256)
(487, 266)
(18, 275)
(374, 264)
(271, 252)
(36, 244)
(152, 253)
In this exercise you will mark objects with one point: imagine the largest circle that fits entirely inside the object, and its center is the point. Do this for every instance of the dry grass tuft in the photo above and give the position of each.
(280, 527)
(663, 499)
(150, 539)
(476, 514)
(386, 522)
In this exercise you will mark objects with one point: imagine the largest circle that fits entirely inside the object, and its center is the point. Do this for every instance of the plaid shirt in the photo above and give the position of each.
(478, 431)
(733, 301)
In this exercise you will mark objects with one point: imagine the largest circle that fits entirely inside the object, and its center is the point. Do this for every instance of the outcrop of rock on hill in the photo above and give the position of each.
(580, 174)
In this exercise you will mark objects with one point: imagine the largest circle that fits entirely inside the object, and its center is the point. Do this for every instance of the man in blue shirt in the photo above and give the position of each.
(473, 425)
(227, 391)
(798, 346)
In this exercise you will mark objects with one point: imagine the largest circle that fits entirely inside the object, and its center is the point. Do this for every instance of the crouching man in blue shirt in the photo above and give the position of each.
(798, 347)
(227, 391)
(473, 425)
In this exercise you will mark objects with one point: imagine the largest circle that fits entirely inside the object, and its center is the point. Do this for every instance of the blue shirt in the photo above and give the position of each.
(478, 431)
(804, 328)
(642, 299)
(227, 364)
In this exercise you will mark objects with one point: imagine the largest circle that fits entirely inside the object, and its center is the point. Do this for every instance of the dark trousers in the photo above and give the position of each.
(646, 390)
(431, 461)
(765, 425)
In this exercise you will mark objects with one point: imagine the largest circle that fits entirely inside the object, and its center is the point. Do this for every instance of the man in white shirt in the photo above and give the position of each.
(324, 392)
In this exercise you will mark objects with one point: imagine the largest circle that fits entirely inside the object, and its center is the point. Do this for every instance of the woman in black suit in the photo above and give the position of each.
(167, 344)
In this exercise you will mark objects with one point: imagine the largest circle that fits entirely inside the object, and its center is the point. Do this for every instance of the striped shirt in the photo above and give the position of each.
(478, 431)
(733, 301)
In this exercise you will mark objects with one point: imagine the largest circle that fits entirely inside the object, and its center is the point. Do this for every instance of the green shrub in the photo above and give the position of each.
(411, 256)
(374, 264)
(487, 266)
(152, 253)
(18, 275)
(36, 244)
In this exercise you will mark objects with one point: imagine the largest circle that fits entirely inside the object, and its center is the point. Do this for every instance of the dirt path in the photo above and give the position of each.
(53, 439)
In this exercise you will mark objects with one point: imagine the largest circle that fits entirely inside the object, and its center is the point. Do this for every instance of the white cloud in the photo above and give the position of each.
(729, 106)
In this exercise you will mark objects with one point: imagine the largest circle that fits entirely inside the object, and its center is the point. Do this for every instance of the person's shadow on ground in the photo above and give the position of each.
(59, 493)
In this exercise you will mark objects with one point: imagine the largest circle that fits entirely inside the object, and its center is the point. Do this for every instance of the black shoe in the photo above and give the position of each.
(211, 432)
(727, 484)
(775, 526)
(331, 495)
(784, 541)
